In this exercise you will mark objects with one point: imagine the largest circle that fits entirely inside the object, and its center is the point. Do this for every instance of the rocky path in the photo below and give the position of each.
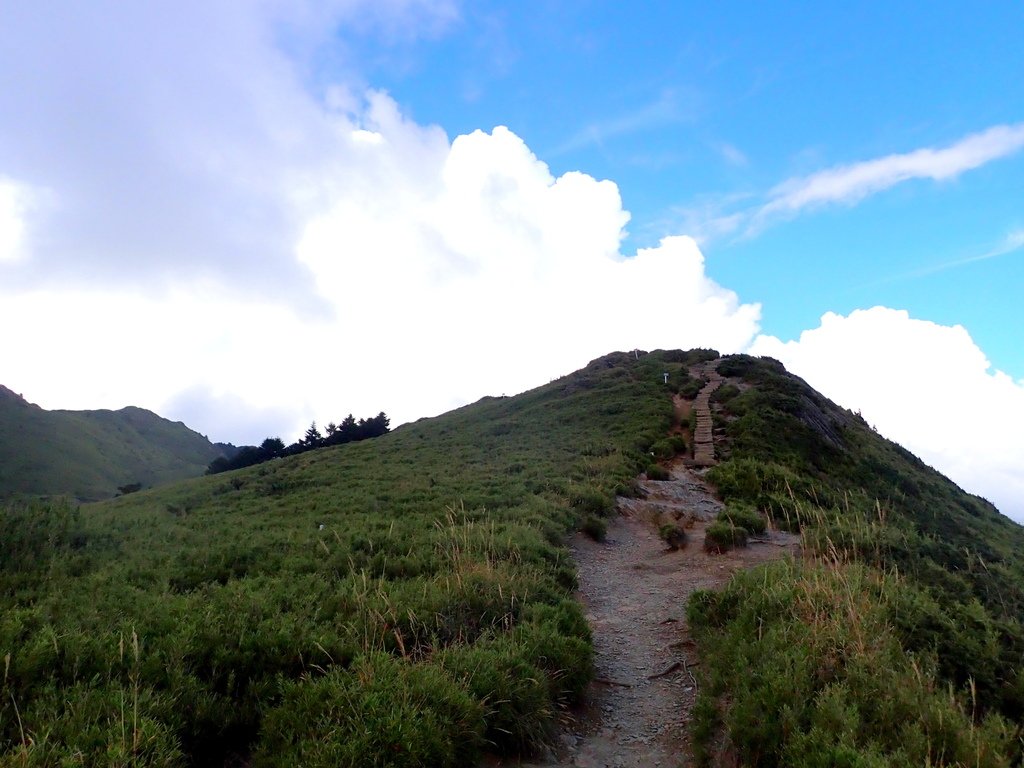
(635, 593)
(703, 441)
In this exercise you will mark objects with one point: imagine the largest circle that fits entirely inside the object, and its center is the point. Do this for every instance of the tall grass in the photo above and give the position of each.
(402, 601)
(896, 638)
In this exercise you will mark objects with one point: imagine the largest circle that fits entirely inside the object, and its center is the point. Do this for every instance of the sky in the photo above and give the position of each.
(250, 215)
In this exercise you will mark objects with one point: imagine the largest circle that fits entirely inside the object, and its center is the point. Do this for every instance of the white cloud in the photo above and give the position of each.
(13, 210)
(733, 155)
(670, 107)
(927, 386)
(845, 184)
(852, 183)
(222, 240)
(180, 140)
(451, 270)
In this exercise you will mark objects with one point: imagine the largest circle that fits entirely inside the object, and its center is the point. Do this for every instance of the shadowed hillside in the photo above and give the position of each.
(88, 455)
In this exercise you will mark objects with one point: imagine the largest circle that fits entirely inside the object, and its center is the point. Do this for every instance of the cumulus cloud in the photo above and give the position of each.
(177, 140)
(927, 386)
(226, 237)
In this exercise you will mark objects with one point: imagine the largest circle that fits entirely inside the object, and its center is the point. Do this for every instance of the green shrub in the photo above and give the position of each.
(563, 651)
(595, 527)
(669, 447)
(381, 712)
(673, 535)
(657, 472)
(630, 489)
(739, 479)
(810, 673)
(744, 517)
(663, 450)
(98, 725)
(721, 536)
(690, 388)
(513, 691)
(592, 501)
(725, 394)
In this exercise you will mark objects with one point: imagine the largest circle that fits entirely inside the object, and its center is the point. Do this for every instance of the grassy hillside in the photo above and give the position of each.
(897, 640)
(407, 600)
(400, 601)
(88, 455)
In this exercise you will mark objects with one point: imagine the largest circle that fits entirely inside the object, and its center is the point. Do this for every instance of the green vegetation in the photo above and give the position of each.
(722, 535)
(398, 601)
(897, 639)
(349, 431)
(657, 472)
(407, 600)
(89, 455)
(673, 535)
(669, 447)
(745, 517)
(595, 527)
(815, 674)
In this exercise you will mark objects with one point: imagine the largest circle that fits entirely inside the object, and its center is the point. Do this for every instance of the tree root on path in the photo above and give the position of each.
(671, 668)
(605, 681)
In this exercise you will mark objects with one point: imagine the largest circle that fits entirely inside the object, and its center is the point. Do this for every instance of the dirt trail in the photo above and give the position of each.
(635, 593)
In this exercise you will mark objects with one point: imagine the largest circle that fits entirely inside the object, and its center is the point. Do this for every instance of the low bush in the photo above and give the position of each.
(666, 449)
(721, 536)
(382, 711)
(744, 517)
(690, 387)
(725, 394)
(592, 501)
(657, 472)
(673, 535)
(514, 691)
(811, 673)
(595, 527)
(630, 489)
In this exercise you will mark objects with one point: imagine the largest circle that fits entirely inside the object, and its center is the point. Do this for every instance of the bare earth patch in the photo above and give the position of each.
(635, 592)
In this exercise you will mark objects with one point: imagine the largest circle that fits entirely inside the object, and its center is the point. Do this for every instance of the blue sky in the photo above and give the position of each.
(247, 216)
(692, 108)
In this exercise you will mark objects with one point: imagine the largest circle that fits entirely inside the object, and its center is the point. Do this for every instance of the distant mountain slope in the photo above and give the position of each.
(89, 454)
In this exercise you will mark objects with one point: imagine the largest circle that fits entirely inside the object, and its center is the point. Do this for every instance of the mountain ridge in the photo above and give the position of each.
(88, 454)
(409, 600)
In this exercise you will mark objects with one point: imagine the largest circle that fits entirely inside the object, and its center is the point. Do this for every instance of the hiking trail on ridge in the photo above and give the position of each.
(634, 591)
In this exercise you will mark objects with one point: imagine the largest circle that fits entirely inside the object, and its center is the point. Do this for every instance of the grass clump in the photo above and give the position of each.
(745, 517)
(658, 473)
(673, 535)
(595, 527)
(722, 535)
(382, 712)
(837, 660)
(814, 674)
(669, 447)
(593, 501)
